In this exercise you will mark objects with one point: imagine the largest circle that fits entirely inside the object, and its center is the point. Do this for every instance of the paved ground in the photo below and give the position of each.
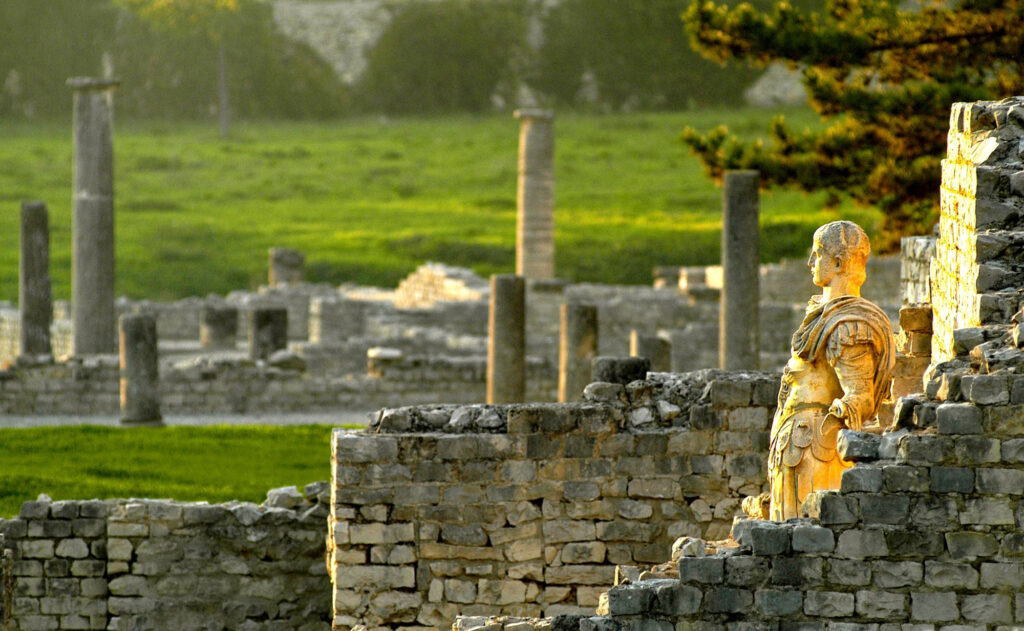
(335, 419)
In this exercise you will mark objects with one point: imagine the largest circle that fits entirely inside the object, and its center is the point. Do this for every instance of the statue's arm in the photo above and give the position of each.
(851, 352)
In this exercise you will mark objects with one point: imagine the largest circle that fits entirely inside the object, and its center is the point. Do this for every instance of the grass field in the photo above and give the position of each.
(370, 199)
(182, 463)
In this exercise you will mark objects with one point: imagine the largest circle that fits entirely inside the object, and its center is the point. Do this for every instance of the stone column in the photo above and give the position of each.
(738, 313)
(94, 318)
(652, 347)
(140, 370)
(576, 349)
(287, 267)
(35, 300)
(506, 346)
(218, 326)
(535, 222)
(268, 331)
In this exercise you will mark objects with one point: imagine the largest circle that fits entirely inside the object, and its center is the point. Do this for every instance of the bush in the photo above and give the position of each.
(451, 55)
(637, 54)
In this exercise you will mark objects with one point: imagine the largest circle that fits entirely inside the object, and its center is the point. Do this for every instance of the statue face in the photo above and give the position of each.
(824, 266)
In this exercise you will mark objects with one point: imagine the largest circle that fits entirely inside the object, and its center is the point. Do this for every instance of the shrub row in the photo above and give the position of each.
(435, 56)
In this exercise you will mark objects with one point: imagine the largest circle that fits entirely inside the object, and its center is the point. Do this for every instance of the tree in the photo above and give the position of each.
(883, 74)
(210, 16)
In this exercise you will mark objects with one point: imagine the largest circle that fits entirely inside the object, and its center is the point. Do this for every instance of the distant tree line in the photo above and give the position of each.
(435, 56)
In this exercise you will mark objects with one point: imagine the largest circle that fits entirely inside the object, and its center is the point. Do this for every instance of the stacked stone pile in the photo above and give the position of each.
(158, 564)
(527, 509)
(434, 282)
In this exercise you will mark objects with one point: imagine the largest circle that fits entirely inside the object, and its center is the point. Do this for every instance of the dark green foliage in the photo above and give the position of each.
(452, 55)
(164, 72)
(884, 75)
(44, 43)
(637, 53)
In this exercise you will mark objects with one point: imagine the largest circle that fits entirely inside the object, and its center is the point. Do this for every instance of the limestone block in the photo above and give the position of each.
(580, 574)
(828, 604)
(705, 570)
(859, 544)
(987, 608)
(970, 545)
(727, 600)
(891, 574)
(747, 571)
(812, 539)
(934, 607)
(843, 572)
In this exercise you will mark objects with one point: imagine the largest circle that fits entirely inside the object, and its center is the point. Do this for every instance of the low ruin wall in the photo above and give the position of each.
(527, 509)
(149, 565)
(91, 386)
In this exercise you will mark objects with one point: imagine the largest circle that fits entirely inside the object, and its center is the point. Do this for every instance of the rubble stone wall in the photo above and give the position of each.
(527, 509)
(150, 565)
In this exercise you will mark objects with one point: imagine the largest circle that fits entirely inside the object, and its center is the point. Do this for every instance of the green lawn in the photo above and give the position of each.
(184, 463)
(370, 199)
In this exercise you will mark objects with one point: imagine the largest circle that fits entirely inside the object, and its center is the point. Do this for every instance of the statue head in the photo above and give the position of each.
(840, 248)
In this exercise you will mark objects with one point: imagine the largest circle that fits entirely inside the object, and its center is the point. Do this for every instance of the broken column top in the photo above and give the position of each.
(532, 112)
(93, 83)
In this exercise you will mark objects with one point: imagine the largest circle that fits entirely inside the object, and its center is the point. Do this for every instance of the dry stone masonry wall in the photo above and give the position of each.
(927, 529)
(978, 264)
(158, 565)
(208, 386)
(527, 509)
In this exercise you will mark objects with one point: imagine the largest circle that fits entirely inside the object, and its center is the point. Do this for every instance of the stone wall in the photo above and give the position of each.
(929, 537)
(978, 265)
(90, 386)
(150, 565)
(927, 529)
(526, 509)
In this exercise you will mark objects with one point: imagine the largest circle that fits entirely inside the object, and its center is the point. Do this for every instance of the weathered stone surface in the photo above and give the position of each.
(857, 446)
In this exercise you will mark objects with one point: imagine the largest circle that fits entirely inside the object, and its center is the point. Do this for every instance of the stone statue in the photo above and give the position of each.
(838, 375)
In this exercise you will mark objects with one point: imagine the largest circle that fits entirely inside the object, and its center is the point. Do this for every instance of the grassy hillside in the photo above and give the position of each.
(368, 200)
(183, 463)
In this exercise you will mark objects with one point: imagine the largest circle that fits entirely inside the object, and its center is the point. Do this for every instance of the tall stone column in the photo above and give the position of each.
(140, 370)
(653, 348)
(35, 300)
(738, 314)
(94, 318)
(576, 349)
(535, 221)
(506, 345)
(268, 331)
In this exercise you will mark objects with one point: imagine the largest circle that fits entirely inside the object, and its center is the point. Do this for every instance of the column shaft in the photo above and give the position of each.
(140, 370)
(506, 347)
(738, 314)
(94, 318)
(35, 299)
(576, 349)
(535, 223)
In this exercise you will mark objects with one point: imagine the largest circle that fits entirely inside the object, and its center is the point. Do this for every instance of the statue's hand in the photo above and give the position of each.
(851, 421)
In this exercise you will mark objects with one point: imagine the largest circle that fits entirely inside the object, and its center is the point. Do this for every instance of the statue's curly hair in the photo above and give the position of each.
(849, 243)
